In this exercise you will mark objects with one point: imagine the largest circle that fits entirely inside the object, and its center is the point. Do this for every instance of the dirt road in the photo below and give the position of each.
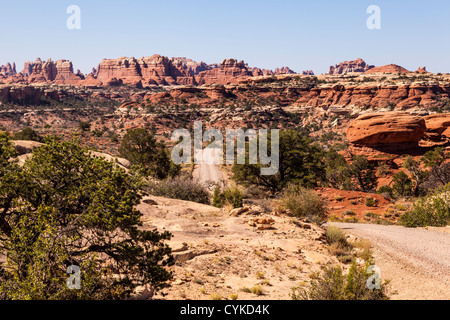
(416, 260)
(208, 172)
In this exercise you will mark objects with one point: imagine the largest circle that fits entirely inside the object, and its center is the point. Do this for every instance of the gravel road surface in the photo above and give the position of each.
(428, 251)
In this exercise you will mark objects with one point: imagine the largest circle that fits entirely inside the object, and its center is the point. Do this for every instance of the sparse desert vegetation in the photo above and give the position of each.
(247, 236)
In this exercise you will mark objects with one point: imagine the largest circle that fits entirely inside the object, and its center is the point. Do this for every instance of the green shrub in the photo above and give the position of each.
(345, 258)
(304, 203)
(230, 195)
(332, 284)
(339, 245)
(432, 210)
(351, 220)
(246, 290)
(371, 202)
(215, 296)
(180, 188)
(348, 213)
(401, 207)
(27, 134)
(336, 235)
(372, 215)
(385, 191)
(257, 290)
(84, 126)
(334, 218)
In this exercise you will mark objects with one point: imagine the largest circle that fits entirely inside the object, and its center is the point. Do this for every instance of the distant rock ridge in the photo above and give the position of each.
(390, 68)
(155, 70)
(358, 65)
(308, 73)
(422, 70)
(8, 69)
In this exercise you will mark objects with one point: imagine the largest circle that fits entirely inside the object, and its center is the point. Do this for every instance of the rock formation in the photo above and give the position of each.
(358, 65)
(283, 70)
(395, 132)
(59, 72)
(192, 66)
(380, 129)
(154, 70)
(230, 71)
(421, 70)
(8, 70)
(390, 68)
(438, 127)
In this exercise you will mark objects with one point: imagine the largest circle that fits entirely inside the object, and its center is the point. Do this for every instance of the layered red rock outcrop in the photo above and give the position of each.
(230, 71)
(8, 69)
(257, 72)
(438, 127)
(358, 65)
(59, 72)
(26, 93)
(193, 67)
(154, 70)
(377, 135)
(308, 73)
(401, 96)
(385, 128)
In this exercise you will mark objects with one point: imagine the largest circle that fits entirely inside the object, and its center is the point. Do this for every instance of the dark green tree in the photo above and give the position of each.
(364, 173)
(141, 148)
(27, 134)
(301, 161)
(338, 171)
(434, 158)
(63, 208)
(402, 184)
(418, 175)
(84, 126)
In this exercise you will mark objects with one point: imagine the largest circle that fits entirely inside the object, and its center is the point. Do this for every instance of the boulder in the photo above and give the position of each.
(142, 293)
(121, 161)
(386, 128)
(437, 123)
(238, 211)
(24, 146)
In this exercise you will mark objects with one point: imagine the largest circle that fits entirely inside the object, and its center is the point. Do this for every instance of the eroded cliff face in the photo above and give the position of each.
(384, 128)
(354, 66)
(155, 70)
(377, 96)
(8, 70)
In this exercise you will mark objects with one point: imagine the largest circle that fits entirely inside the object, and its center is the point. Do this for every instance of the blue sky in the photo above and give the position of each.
(303, 35)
